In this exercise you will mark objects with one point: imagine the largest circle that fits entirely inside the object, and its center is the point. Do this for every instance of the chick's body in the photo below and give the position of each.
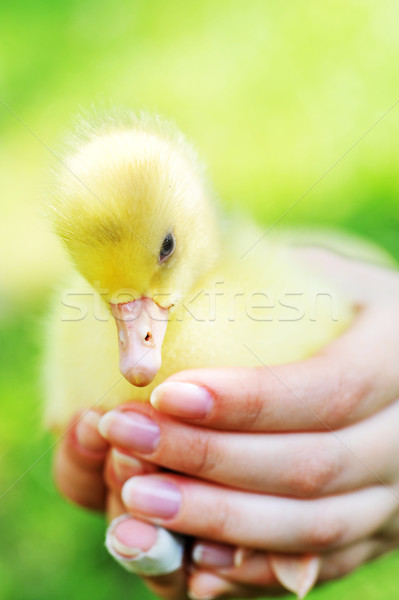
(130, 183)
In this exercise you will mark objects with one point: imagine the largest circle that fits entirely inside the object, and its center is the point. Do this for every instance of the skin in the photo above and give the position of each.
(310, 446)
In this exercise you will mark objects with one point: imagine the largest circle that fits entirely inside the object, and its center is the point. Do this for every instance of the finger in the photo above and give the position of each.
(259, 521)
(252, 567)
(151, 552)
(114, 506)
(86, 434)
(83, 441)
(119, 467)
(256, 568)
(296, 573)
(169, 587)
(294, 464)
(79, 461)
(330, 390)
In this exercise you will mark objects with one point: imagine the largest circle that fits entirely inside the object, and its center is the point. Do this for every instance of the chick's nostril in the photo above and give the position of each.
(148, 336)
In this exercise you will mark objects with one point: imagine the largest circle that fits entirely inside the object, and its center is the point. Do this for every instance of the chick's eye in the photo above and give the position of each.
(168, 245)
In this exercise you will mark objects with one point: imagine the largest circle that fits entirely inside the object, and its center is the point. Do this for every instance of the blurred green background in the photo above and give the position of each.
(273, 94)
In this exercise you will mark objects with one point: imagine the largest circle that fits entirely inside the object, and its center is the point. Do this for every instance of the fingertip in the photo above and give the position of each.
(125, 466)
(105, 423)
(298, 574)
(182, 399)
(78, 476)
(144, 548)
(152, 497)
(87, 434)
(130, 537)
(211, 555)
(120, 467)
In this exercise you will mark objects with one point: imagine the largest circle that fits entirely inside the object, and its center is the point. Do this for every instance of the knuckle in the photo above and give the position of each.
(313, 471)
(204, 455)
(252, 402)
(253, 409)
(347, 394)
(223, 523)
(327, 531)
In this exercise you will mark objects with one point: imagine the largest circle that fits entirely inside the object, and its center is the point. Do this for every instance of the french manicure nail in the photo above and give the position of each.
(152, 497)
(213, 555)
(181, 399)
(87, 434)
(298, 574)
(130, 430)
(131, 537)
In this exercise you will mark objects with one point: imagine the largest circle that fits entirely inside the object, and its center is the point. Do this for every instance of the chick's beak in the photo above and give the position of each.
(141, 329)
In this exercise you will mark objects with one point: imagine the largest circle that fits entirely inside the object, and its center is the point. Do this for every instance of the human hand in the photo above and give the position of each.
(83, 464)
(326, 484)
(91, 474)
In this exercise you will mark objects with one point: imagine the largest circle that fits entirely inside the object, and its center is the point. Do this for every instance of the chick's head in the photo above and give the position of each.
(134, 213)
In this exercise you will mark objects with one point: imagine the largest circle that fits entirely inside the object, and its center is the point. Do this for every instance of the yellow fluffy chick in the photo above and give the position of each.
(157, 268)
(163, 284)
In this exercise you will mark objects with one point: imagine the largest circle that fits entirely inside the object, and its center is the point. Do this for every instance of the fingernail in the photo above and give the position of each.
(125, 466)
(213, 555)
(184, 400)
(130, 537)
(86, 432)
(298, 574)
(130, 430)
(241, 554)
(152, 497)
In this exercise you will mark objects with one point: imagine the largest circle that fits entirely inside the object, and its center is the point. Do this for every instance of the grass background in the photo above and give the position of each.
(273, 94)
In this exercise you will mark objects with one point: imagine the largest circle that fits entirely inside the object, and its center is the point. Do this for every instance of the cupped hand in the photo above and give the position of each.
(335, 437)
(293, 459)
(88, 472)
